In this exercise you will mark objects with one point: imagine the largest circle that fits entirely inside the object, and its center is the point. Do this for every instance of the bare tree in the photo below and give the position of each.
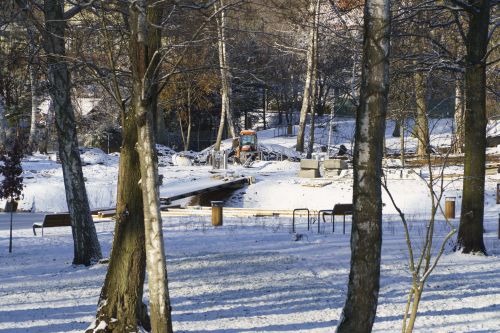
(309, 95)
(145, 19)
(225, 74)
(470, 232)
(360, 308)
(86, 245)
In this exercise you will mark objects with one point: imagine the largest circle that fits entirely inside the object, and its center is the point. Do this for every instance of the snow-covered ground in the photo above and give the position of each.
(249, 275)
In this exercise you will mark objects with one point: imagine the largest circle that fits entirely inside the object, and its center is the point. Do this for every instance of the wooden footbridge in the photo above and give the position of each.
(184, 189)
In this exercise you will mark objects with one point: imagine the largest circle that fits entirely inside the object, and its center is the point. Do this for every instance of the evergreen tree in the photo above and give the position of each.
(11, 186)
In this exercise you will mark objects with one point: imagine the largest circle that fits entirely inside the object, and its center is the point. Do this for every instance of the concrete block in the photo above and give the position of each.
(309, 173)
(331, 173)
(309, 164)
(335, 164)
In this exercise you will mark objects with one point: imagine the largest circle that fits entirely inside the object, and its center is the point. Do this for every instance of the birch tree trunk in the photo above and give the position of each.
(470, 232)
(225, 74)
(360, 308)
(43, 145)
(181, 129)
(33, 137)
(307, 95)
(86, 245)
(458, 139)
(421, 124)
(145, 41)
(32, 140)
(313, 91)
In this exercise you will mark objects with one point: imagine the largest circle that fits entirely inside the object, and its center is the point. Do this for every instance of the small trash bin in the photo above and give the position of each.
(217, 213)
(289, 130)
(449, 207)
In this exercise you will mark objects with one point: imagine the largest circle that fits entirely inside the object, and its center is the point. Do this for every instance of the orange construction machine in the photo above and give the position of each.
(247, 150)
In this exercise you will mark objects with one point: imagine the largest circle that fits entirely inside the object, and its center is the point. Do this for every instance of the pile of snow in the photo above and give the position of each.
(91, 156)
(164, 155)
(277, 152)
(285, 165)
(181, 160)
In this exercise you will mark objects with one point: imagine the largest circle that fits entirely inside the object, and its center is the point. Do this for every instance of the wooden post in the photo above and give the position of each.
(449, 208)
(498, 194)
(217, 213)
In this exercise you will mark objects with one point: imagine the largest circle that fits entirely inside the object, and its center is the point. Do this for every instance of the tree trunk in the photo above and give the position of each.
(360, 308)
(161, 130)
(33, 137)
(314, 86)
(401, 123)
(189, 125)
(307, 95)
(32, 141)
(86, 245)
(120, 302)
(421, 124)
(145, 41)
(458, 138)
(3, 124)
(225, 74)
(470, 231)
(43, 145)
(181, 129)
(264, 106)
(397, 129)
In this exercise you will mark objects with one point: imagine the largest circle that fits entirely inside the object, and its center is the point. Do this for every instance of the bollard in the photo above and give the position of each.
(449, 208)
(498, 194)
(224, 160)
(217, 213)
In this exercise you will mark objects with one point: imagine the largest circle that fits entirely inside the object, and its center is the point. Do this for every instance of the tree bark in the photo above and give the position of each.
(181, 129)
(43, 145)
(86, 245)
(421, 124)
(120, 302)
(314, 86)
(470, 232)
(310, 76)
(189, 125)
(33, 137)
(32, 140)
(145, 41)
(458, 138)
(360, 308)
(225, 74)
(3, 124)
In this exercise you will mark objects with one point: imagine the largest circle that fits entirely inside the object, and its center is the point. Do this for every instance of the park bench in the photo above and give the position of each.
(338, 209)
(53, 220)
(61, 220)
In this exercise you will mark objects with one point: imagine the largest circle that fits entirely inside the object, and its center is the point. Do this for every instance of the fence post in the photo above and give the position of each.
(498, 194)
